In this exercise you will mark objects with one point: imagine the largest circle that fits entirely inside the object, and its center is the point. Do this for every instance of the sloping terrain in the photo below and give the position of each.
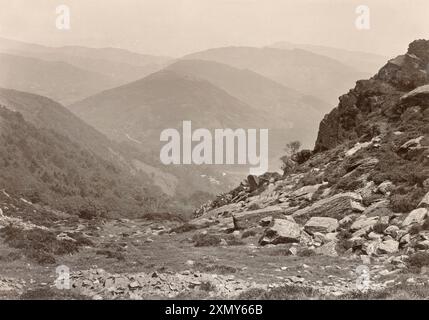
(364, 189)
(295, 69)
(363, 61)
(348, 220)
(48, 168)
(68, 74)
(57, 80)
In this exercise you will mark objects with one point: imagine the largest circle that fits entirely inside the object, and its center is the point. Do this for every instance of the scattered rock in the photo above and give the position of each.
(388, 246)
(321, 224)
(282, 231)
(415, 216)
(364, 222)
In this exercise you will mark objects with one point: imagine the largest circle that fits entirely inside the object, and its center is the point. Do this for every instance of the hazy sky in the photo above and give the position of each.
(177, 27)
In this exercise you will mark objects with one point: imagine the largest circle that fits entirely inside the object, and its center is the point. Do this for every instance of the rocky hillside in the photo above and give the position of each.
(49, 168)
(364, 189)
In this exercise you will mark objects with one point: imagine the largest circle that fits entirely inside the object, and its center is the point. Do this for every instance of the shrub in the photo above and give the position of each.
(418, 260)
(380, 227)
(38, 244)
(214, 268)
(187, 227)
(206, 240)
(306, 253)
(207, 286)
(286, 292)
(248, 233)
(406, 202)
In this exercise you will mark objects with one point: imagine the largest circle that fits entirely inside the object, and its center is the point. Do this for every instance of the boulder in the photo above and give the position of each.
(306, 192)
(392, 231)
(282, 231)
(321, 224)
(405, 239)
(415, 216)
(379, 209)
(364, 222)
(418, 95)
(250, 218)
(336, 206)
(422, 245)
(388, 246)
(328, 249)
(412, 148)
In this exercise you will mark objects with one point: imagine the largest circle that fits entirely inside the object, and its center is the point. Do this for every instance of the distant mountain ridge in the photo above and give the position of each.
(362, 61)
(71, 73)
(295, 68)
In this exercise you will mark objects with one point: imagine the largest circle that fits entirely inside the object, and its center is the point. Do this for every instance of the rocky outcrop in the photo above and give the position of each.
(380, 95)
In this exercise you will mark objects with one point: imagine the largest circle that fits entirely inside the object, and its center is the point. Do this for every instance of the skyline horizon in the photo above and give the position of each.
(191, 52)
(174, 28)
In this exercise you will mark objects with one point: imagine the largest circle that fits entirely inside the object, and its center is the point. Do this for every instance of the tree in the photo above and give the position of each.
(291, 149)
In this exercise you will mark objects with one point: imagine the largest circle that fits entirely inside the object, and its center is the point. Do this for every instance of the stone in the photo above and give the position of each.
(245, 219)
(379, 208)
(416, 95)
(364, 222)
(358, 146)
(347, 219)
(422, 245)
(425, 201)
(392, 231)
(374, 236)
(266, 221)
(328, 249)
(293, 251)
(388, 246)
(336, 206)
(282, 231)
(411, 148)
(415, 216)
(405, 239)
(385, 187)
(370, 247)
(321, 224)
(306, 192)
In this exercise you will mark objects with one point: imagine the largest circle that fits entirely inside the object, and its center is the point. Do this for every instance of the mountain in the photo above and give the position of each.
(138, 112)
(57, 80)
(45, 113)
(296, 69)
(290, 115)
(99, 68)
(363, 192)
(47, 168)
(142, 109)
(250, 87)
(362, 61)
